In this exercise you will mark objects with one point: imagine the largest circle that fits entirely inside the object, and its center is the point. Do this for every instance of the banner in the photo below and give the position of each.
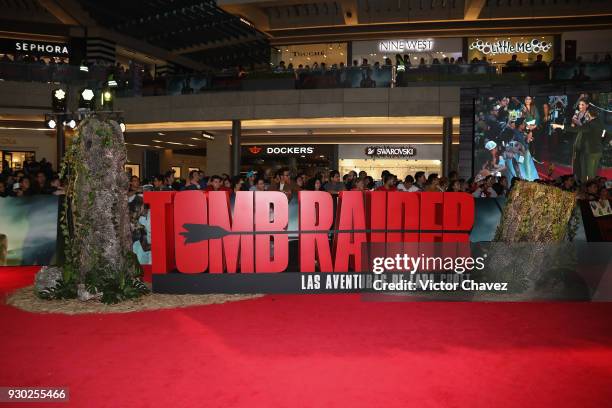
(28, 230)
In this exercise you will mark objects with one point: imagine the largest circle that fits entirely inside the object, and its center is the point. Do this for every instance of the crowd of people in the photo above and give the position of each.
(38, 178)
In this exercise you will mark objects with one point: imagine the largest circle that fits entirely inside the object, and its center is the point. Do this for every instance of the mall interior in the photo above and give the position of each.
(197, 94)
(303, 87)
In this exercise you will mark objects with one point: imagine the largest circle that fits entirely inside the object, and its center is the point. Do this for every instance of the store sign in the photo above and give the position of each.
(281, 150)
(390, 151)
(13, 46)
(533, 46)
(418, 45)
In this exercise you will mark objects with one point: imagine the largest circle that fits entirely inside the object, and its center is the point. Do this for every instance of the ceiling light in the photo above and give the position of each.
(161, 134)
(268, 131)
(84, 68)
(156, 141)
(207, 135)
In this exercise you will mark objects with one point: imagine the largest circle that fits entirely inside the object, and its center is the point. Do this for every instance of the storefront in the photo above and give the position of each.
(399, 159)
(305, 158)
(15, 49)
(499, 50)
(308, 54)
(416, 48)
(15, 159)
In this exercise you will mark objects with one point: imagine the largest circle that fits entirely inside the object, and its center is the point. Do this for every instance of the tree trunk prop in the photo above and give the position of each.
(95, 223)
(531, 250)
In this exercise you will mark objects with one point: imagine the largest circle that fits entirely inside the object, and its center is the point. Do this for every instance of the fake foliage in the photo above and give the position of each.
(94, 222)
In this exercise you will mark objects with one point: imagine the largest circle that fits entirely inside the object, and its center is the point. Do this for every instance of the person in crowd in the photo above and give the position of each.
(358, 185)
(55, 186)
(193, 183)
(388, 183)
(169, 181)
(419, 182)
(23, 188)
(335, 185)
(484, 187)
(539, 62)
(215, 183)
(158, 183)
(591, 191)
(514, 62)
(454, 186)
(249, 185)
(3, 191)
(237, 184)
(260, 185)
(407, 184)
(40, 185)
(284, 182)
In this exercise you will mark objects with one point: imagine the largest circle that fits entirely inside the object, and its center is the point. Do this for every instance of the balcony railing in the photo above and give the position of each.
(136, 84)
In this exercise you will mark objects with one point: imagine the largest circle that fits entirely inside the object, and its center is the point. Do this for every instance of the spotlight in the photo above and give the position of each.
(112, 83)
(83, 68)
(107, 99)
(71, 123)
(51, 124)
(121, 125)
(87, 99)
(58, 100)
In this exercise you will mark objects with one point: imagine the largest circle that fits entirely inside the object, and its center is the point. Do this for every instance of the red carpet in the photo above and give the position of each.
(316, 351)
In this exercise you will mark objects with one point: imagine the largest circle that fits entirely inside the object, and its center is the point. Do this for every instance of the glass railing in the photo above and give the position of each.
(136, 84)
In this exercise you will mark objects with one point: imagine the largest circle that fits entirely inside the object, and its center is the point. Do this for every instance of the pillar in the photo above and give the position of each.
(447, 145)
(236, 130)
(60, 142)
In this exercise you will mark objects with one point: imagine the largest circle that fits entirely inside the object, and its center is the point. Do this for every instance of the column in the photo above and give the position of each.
(60, 142)
(236, 130)
(447, 145)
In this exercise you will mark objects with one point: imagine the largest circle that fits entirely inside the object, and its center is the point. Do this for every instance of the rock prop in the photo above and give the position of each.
(99, 262)
(47, 278)
(532, 251)
(536, 212)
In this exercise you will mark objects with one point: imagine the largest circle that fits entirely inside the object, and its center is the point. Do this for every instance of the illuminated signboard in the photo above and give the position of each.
(417, 45)
(529, 46)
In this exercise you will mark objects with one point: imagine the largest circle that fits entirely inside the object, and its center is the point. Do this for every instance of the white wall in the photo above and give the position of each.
(589, 43)
(43, 143)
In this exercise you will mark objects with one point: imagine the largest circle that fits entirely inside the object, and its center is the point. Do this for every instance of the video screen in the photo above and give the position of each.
(543, 137)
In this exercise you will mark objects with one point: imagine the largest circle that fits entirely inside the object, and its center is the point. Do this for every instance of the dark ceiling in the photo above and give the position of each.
(196, 29)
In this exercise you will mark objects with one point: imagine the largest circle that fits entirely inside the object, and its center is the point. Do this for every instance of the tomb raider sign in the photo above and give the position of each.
(390, 151)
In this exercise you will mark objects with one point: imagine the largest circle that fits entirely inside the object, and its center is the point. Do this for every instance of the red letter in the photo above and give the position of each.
(190, 208)
(347, 245)
(432, 217)
(458, 216)
(403, 214)
(226, 248)
(162, 231)
(271, 204)
(316, 214)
